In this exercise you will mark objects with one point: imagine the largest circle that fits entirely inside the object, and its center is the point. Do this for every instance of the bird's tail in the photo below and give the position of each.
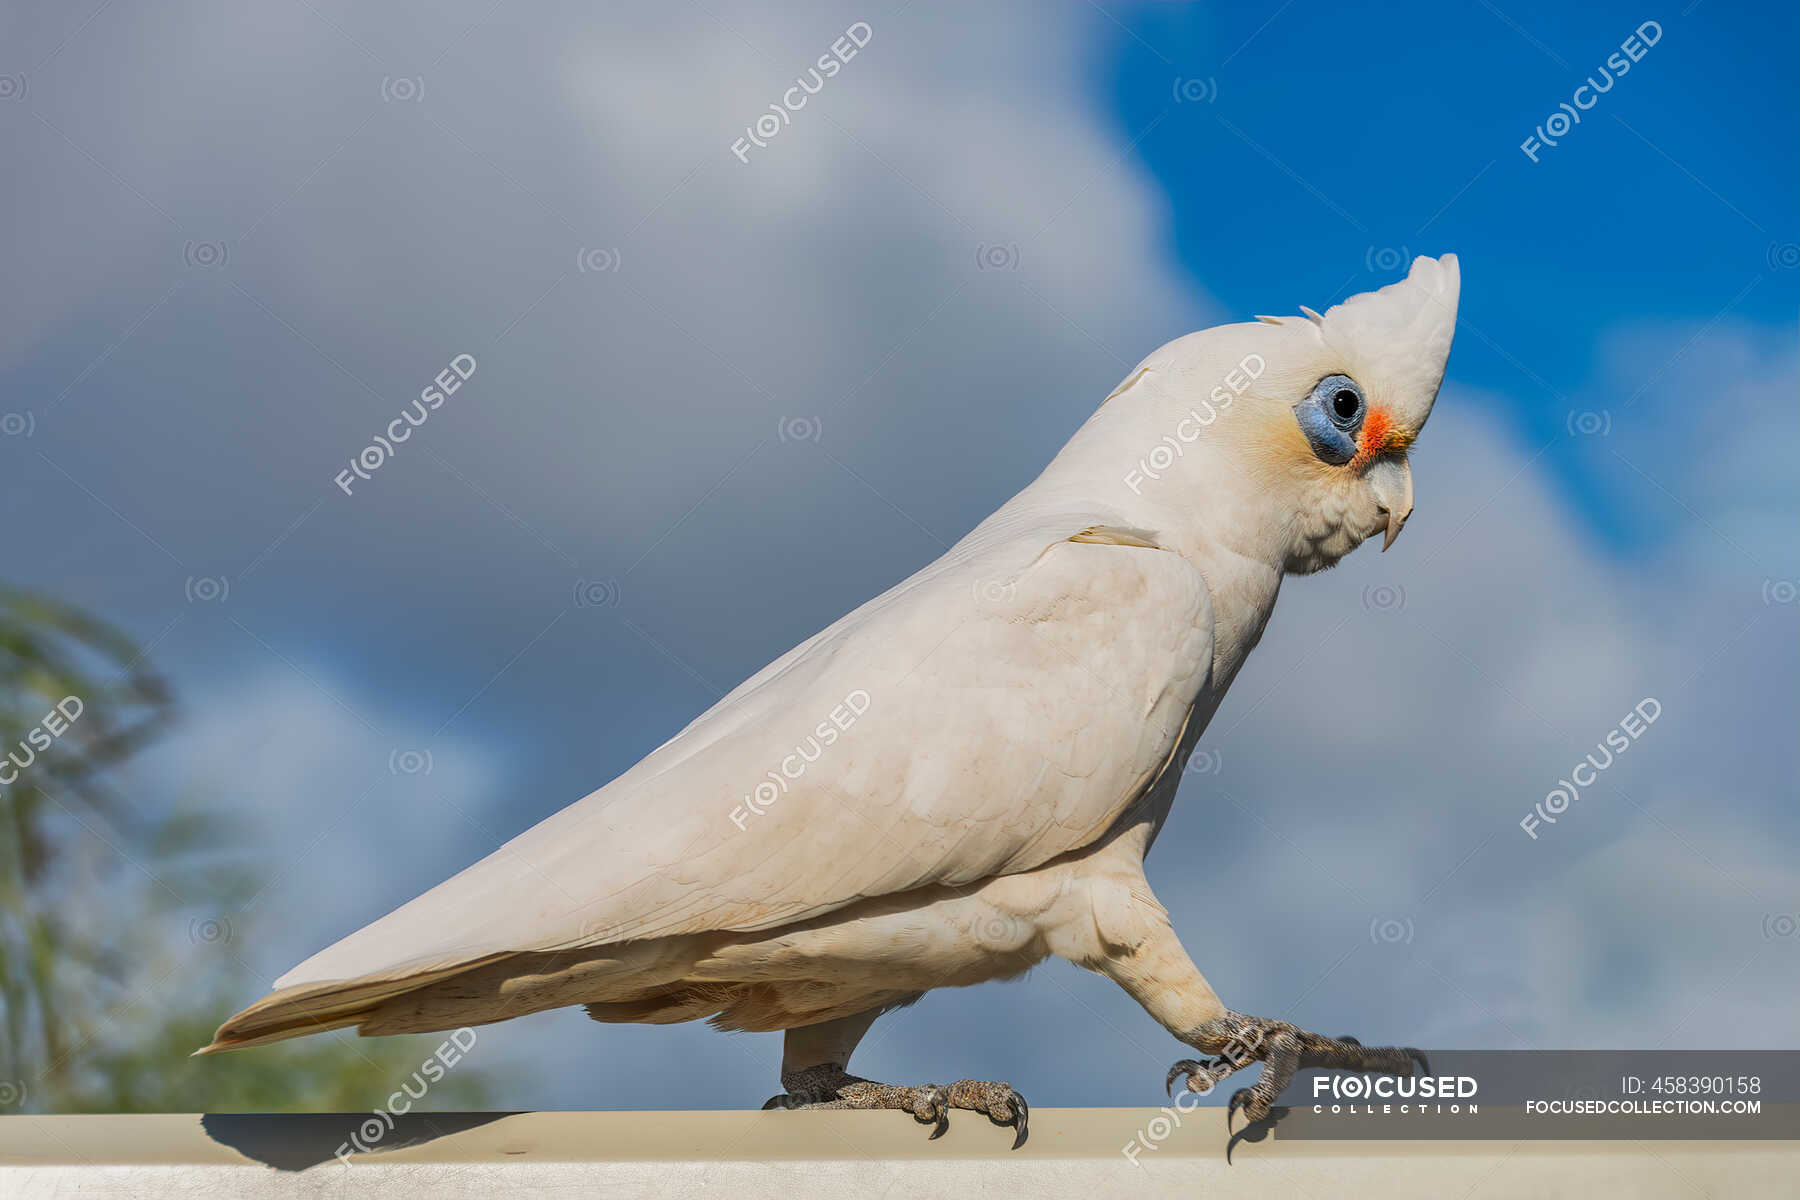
(316, 1007)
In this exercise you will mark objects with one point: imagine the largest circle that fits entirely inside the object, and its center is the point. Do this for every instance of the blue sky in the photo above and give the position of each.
(1356, 130)
(247, 237)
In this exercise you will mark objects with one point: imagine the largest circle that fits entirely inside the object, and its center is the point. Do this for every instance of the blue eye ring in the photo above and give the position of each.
(1330, 417)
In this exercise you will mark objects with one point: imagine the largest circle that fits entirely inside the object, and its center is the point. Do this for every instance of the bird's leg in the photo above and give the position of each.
(813, 1070)
(1158, 974)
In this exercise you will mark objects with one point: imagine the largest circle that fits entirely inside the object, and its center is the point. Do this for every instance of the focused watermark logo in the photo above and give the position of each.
(381, 1122)
(1384, 597)
(207, 256)
(1417, 1094)
(410, 762)
(1204, 762)
(793, 766)
(1187, 430)
(800, 429)
(402, 89)
(1190, 89)
(995, 593)
(1001, 932)
(207, 589)
(1620, 739)
(209, 931)
(40, 737)
(997, 256)
(431, 398)
(1391, 931)
(1589, 422)
(597, 260)
(597, 593)
(1568, 114)
(1386, 258)
(781, 113)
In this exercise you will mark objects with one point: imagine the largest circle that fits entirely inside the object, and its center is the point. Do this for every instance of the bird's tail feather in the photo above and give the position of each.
(316, 1007)
(429, 996)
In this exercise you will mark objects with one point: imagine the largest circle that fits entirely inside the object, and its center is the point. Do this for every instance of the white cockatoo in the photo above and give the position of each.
(963, 776)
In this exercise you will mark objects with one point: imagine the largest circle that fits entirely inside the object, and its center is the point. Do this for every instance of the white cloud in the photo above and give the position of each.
(343, 822)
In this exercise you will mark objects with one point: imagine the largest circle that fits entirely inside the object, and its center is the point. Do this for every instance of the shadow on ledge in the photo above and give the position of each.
(296, 1141)
(1256, 1131)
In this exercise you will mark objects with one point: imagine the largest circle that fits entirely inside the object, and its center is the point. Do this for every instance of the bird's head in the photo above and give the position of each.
(1299, 427)
(1359, 382)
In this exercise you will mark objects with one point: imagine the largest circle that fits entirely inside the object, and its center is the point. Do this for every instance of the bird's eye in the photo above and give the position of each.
(1330, 417)
(1342, 399)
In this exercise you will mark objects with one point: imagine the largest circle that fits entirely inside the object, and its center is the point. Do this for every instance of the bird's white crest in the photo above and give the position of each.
(1405, 328)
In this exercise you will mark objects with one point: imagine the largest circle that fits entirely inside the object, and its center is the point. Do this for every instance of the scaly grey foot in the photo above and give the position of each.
(1236, 1041)
(830, 1086)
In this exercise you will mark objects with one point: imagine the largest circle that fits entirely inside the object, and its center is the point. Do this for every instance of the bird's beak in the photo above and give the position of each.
(1391, 478)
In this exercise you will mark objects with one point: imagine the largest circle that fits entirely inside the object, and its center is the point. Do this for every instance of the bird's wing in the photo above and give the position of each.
(1003, 706)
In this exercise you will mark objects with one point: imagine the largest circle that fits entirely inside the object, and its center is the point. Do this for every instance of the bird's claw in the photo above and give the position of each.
(930, 1104)
(1202, 1068)
(1021, 1117)
(1001, 1102)
(932, 1107)
(1283, 1050)
(1239, 1099)
(1253, 1105)
(1186, 1066)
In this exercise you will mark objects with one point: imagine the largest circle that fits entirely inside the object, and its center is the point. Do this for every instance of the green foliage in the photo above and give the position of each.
(118, 953)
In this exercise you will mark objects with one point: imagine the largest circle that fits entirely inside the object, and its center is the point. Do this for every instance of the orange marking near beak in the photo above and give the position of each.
(1379, 436)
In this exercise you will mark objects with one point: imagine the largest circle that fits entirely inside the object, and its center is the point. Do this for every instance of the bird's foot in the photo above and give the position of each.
(831, 1086)
(1235, 1041)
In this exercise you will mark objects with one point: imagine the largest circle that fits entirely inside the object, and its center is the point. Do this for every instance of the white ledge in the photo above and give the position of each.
(1073, 1153)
